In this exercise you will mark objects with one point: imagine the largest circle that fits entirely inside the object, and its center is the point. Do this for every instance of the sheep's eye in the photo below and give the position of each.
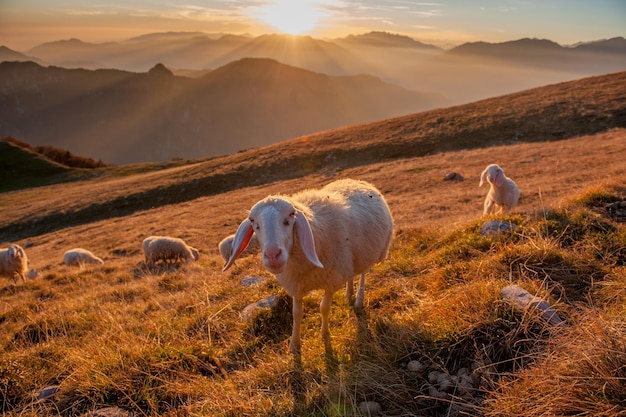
(286, 222)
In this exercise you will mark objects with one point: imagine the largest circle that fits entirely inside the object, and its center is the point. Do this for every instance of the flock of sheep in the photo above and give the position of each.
(314, 239)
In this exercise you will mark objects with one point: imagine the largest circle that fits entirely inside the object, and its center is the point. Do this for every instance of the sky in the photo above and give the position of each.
(28, 23)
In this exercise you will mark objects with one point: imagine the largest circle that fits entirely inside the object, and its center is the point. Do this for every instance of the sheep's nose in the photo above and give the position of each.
(272, 253)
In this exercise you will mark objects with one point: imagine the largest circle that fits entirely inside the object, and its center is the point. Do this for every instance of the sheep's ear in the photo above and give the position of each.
(240, 242)
(482, 177)
(305, 237)
(499, 177)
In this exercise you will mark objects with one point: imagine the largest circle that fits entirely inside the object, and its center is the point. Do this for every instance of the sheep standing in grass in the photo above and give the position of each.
(319, 239)
(226, 246)
(80, 257)
(503, 192)
(14, 263)
(167, 249)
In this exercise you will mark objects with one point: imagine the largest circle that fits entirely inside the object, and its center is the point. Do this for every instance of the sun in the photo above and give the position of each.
(293, 17)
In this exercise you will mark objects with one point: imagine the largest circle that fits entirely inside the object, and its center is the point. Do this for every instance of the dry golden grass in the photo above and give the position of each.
(169, 340)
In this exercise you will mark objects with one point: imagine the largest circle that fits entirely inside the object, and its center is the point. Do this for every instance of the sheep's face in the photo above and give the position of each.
(273, 220)
(493, 174)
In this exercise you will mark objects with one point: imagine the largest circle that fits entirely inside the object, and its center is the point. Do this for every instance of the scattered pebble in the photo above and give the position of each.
(250, 311)
(492, 228)
(249, 281)
(522, 300)
(47, 393)
(415, 366)
(370, 408)
(453, 176)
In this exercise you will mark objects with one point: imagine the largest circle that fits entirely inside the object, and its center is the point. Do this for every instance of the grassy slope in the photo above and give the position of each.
(169, 341)
(27, 169)
(545, 114)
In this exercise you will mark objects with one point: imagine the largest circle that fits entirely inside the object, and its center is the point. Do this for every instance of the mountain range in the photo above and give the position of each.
(188, 95)
(124, 117)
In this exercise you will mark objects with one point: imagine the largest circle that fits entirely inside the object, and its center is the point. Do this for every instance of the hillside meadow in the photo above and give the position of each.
(170, 340)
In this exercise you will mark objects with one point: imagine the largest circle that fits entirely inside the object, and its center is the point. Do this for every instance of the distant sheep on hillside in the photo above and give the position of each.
(226, 246)
(14, 263)
(503, 192)
(167, 249)
(80, 257)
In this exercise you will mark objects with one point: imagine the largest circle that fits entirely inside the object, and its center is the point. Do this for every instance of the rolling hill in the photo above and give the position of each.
(552, 113)
(123, 117)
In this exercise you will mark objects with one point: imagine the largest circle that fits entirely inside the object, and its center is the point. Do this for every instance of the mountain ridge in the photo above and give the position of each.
(129, 117)
(498, 68)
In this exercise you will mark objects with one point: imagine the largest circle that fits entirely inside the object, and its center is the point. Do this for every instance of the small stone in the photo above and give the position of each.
(268, 302)
(47, 393)
(249, 281)
(522, 301)
(370, 408)
(492, 228)
(433, 376)
(415, 366)
(250, 311)
(453, 176)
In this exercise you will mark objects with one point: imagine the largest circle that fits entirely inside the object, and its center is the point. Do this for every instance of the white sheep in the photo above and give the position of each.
(341, 230)
(503, 192)
(166, 249)
(80, 257)
(14, 262)
(226, 246)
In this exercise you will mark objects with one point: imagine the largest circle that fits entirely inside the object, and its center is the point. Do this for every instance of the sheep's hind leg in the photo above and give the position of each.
(350, 289)
(294, 345)
(360, 294)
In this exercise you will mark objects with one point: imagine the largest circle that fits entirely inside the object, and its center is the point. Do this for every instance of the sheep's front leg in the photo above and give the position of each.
(360, 294)
(325, 310)
(294, 345)
(488, 205)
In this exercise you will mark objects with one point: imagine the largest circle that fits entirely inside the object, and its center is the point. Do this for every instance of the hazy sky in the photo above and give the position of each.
(27, 23)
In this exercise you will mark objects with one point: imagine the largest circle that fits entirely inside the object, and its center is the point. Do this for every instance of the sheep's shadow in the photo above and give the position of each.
(364, 336)
(298, 385)
(363, 346)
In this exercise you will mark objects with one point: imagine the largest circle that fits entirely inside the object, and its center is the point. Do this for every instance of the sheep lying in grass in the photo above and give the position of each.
(226, 246)
(167, 249)
(14, 263)
(503, 192)
(319, 239)
(80, 257)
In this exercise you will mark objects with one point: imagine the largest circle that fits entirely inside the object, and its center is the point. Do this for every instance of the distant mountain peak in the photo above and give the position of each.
(160, 70)
(381, 38)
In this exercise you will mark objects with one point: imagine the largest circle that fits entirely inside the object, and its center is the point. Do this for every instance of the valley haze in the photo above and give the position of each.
(192, 95)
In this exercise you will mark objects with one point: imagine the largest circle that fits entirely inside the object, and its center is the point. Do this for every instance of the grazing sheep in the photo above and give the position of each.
(14, 263)
(166, 249)
(503, 192)
(226, 246)
(80, 257)
(319, 239)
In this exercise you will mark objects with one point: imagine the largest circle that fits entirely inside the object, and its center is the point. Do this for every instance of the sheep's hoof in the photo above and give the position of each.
(294, 348)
